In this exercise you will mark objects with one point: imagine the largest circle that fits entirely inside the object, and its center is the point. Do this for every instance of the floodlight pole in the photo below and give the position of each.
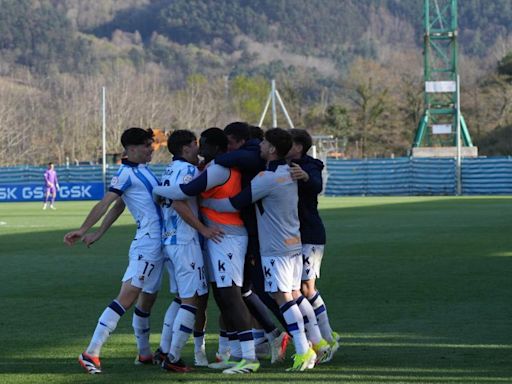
(273, 95)
(459, 160)
(104, 140)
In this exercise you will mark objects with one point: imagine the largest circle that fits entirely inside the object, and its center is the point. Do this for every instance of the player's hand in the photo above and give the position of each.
(214, 234)
(90, 238)
(57, 187)
(297, 173)
(70, 238)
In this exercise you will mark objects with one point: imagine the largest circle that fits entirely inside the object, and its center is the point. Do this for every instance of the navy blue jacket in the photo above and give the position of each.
(248, 160)
(312, 230)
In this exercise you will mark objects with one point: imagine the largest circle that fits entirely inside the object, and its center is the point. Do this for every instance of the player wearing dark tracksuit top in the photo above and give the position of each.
(308, 173)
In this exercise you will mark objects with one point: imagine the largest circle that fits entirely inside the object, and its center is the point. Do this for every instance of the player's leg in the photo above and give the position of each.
(240, 333)
(278, 274)
(190, 277)
(306, 270)
(141, 327)
(149, 258)
(259, 301)
(312, 261)
(53, 195)
(320, 345)
(171, 312)
(200, 359)
(107, 323)
(182, 328)
(46, 198)
(254, 304)
(223, 350)
(228, 260)
(166, 337)
(254, 274)
(313, 295)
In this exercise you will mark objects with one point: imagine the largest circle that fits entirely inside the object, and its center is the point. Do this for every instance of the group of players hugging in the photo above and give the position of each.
(244, 220)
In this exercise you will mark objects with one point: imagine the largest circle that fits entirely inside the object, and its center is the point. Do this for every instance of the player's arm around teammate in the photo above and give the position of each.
(308, 173)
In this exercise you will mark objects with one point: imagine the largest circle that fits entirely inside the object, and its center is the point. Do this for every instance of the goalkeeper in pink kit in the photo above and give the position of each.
(51, 183)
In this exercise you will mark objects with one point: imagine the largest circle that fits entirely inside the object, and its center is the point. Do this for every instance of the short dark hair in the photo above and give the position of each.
(281, 139)
(238, 129)
(256, 132)
(178, 139)
(136, 136)
(216, 137)
(50, 163)
(302, 137)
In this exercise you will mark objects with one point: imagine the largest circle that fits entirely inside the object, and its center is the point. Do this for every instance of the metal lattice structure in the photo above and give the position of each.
(438, 125)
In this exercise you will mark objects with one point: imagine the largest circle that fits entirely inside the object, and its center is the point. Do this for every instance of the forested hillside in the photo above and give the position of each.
(351, 68)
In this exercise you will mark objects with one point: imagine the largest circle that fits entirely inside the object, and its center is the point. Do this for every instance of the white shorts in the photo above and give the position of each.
(185, 265)
(145, 264)
(282, 273)
(226, 260)
(312, 255)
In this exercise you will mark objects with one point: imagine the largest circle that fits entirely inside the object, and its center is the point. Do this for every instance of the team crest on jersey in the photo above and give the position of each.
(187, 179)
(114, 181)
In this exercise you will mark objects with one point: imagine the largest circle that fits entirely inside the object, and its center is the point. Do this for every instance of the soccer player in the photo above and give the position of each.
(308, 173)
(133, 184)
(244, 154)
(51, 183)
(276, 198)
(225, 259)
(184, 258)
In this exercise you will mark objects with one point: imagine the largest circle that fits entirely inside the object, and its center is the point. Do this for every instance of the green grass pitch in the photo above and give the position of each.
(420, 289)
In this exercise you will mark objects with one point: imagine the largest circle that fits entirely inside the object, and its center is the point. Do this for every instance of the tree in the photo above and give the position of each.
(248, 96)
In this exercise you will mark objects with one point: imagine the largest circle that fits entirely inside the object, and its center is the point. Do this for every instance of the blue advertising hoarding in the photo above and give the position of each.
(36, 192)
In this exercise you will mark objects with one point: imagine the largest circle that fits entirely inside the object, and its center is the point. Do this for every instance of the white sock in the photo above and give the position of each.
(234, 345)
(170, 315)
(295, 323)
(310, 324)
(199, 344)
(247, 345)
(321, 316)
(223, 342)
(141, 329)
(181, 330)
(107, 323)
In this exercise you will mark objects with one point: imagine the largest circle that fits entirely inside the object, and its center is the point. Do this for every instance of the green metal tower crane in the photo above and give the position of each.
(438, 126)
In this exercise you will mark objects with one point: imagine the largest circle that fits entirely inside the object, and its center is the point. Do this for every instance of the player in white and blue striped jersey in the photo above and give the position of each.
(183, 256)
(131, 187)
